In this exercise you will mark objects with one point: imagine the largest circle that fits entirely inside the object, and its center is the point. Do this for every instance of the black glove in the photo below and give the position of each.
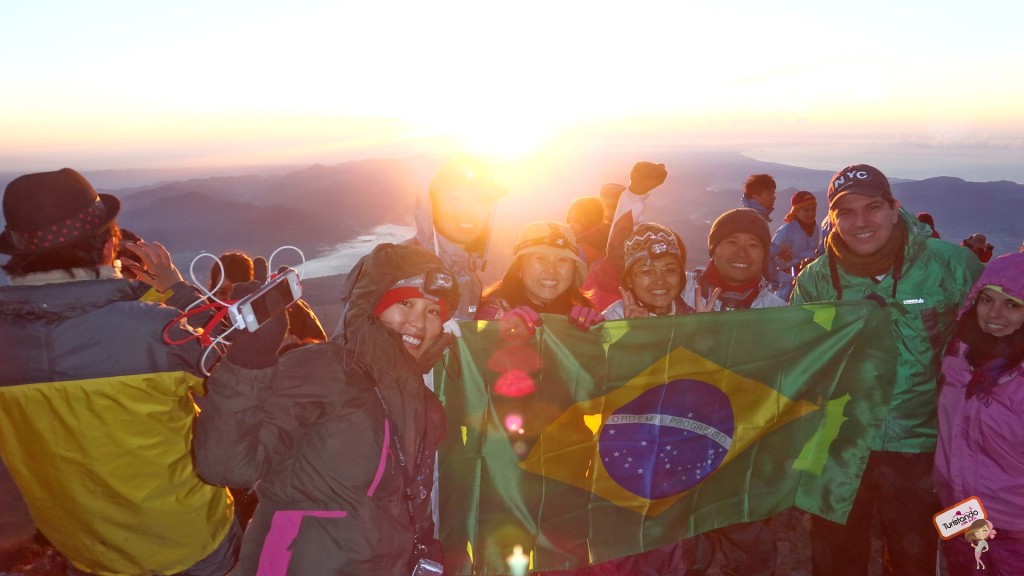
(258, 350)
(260, 269)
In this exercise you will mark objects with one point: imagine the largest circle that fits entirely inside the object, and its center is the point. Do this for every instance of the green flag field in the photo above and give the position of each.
(582, 447)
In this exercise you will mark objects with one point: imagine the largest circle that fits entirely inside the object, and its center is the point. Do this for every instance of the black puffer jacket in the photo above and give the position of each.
(312, 435)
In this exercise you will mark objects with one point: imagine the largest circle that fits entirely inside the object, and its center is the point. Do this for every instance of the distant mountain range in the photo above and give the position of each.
(314, 208)
(319, 207)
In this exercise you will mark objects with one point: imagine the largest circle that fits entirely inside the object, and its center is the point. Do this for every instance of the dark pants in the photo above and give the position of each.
(746, 549)
(897, 492)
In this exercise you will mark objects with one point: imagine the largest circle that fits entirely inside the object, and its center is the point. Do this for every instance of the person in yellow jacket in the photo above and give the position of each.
(96, 410)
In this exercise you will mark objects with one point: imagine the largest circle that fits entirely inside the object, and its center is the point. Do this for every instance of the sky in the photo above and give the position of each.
(933, 88)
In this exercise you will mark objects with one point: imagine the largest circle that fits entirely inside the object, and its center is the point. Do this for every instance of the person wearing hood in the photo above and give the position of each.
(930, 221)
(335, 435)
(981, 407)
(879, 251)
(795, 243)
(454, 222)
(759, 195)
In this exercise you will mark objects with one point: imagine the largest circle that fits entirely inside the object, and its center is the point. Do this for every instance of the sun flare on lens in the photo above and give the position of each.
(500, 136)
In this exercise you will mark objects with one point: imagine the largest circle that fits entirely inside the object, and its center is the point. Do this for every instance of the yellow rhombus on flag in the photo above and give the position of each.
(580, 446)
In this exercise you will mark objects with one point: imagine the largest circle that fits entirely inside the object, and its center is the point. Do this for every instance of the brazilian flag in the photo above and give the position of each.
(582, 447)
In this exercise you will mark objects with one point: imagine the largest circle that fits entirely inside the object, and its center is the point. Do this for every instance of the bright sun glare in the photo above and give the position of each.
(505, 138)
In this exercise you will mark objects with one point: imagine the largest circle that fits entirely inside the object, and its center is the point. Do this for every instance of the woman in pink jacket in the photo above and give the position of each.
(981, 410)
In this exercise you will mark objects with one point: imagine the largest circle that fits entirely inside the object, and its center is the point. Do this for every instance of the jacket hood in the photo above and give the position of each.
(364, 334)
(471, 258)
(367, 343)
(1006, 271)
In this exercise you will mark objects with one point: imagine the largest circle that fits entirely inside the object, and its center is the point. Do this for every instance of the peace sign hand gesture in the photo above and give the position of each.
(702, 305)
(631, 307)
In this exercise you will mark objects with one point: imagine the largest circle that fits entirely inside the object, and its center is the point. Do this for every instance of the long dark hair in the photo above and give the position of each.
(510, 288)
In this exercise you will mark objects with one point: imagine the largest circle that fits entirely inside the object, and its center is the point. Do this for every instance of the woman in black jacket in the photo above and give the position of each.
(339, 437)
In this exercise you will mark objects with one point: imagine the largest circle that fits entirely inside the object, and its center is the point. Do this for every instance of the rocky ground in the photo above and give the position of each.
(33, 558)
(792, 530)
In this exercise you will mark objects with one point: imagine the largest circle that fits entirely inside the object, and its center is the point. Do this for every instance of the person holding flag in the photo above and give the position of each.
(739, 244)
(878, 250)
(654, 278)
(544, 278)
(654, 284)
(338, 437)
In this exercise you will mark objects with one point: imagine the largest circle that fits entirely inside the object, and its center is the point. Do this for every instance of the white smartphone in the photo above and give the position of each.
(251, 312)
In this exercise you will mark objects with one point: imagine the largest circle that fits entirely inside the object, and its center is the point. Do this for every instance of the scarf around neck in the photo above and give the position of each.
(875, 264)
(988, 356)
(888, 257)
(733, 296)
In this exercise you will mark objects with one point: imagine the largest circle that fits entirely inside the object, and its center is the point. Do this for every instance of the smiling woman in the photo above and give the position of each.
(366, 388)
(980, 409)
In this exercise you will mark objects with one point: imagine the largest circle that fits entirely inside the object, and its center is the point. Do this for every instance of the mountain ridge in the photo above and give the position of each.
(318, 207)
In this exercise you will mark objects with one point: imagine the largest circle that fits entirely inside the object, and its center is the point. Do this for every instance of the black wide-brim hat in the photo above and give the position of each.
(52, 209)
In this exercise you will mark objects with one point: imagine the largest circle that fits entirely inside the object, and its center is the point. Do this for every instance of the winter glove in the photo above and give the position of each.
(583, 317)
(520, 322)
(646, 176)
(258, 350)
(260, 269)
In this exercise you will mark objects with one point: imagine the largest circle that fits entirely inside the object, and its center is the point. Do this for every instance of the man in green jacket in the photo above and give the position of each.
(879, 251)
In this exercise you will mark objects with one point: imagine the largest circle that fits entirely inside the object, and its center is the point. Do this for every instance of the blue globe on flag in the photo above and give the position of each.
(668, 439)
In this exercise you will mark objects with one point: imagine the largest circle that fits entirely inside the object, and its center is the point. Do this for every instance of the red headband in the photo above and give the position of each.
(396, 295)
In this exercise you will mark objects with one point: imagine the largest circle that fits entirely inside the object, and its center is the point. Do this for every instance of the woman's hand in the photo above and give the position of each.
(631, 307)
(702, 305)
(157, 270)
(520, 323)
(583, 317)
